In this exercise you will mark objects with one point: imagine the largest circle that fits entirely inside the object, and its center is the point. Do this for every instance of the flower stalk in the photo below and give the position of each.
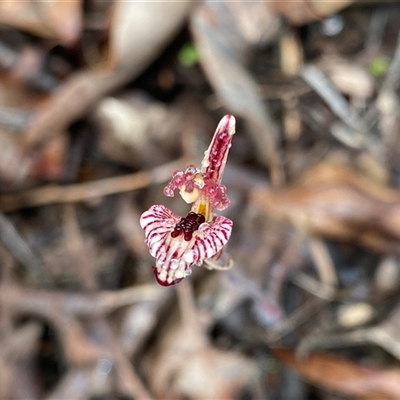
(178, 243)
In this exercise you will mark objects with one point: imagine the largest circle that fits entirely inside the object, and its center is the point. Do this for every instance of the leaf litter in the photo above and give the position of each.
(98, 108)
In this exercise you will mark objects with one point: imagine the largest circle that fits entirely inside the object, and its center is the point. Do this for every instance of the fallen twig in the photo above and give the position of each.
(89, 190)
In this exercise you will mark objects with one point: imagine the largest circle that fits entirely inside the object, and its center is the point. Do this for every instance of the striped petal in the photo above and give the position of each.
(175, 256)
(157, 222)
(209, 240)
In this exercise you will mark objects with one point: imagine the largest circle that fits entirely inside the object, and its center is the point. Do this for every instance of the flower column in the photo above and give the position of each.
(179, 243)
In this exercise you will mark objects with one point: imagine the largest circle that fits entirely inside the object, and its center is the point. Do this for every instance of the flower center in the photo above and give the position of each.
(187, 225)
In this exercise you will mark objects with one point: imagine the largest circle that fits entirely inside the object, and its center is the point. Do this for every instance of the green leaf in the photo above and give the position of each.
(188, 55)
(379, 66)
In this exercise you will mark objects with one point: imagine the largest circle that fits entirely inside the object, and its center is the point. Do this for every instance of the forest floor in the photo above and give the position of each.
(101, 101)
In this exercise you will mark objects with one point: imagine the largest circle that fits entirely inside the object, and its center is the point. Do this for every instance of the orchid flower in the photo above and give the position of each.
(179, 243)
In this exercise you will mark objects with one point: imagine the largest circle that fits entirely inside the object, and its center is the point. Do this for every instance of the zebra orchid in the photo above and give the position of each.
(178, 243)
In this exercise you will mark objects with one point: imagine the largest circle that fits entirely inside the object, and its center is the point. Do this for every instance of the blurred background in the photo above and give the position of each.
(101, 100)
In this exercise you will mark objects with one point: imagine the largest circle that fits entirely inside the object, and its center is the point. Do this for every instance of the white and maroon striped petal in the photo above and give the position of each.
(171, 266)
(157, 222)
(208, 240)
(174, 255)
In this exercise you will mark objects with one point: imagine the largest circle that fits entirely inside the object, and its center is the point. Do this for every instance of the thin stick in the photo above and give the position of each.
(392, 79)
(313, 286)
(22, 252)
(297, 318)
(49, 303)
(376, 29)
(338, 104)
(84, 191)
(323, 261)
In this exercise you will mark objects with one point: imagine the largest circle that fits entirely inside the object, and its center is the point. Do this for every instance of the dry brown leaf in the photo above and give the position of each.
(303, 12)
(14, 168)
(140, 30)
(19, 103)
(80, 349)
(183, 364)
(338, 374)
(76, 384)
(215, 374)
(19, 345)
(137, 131)
(256, 20)
(182, 368)
(58, 20)
(49, 164)
(336, 201)
(350, 78)
(136, 38)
